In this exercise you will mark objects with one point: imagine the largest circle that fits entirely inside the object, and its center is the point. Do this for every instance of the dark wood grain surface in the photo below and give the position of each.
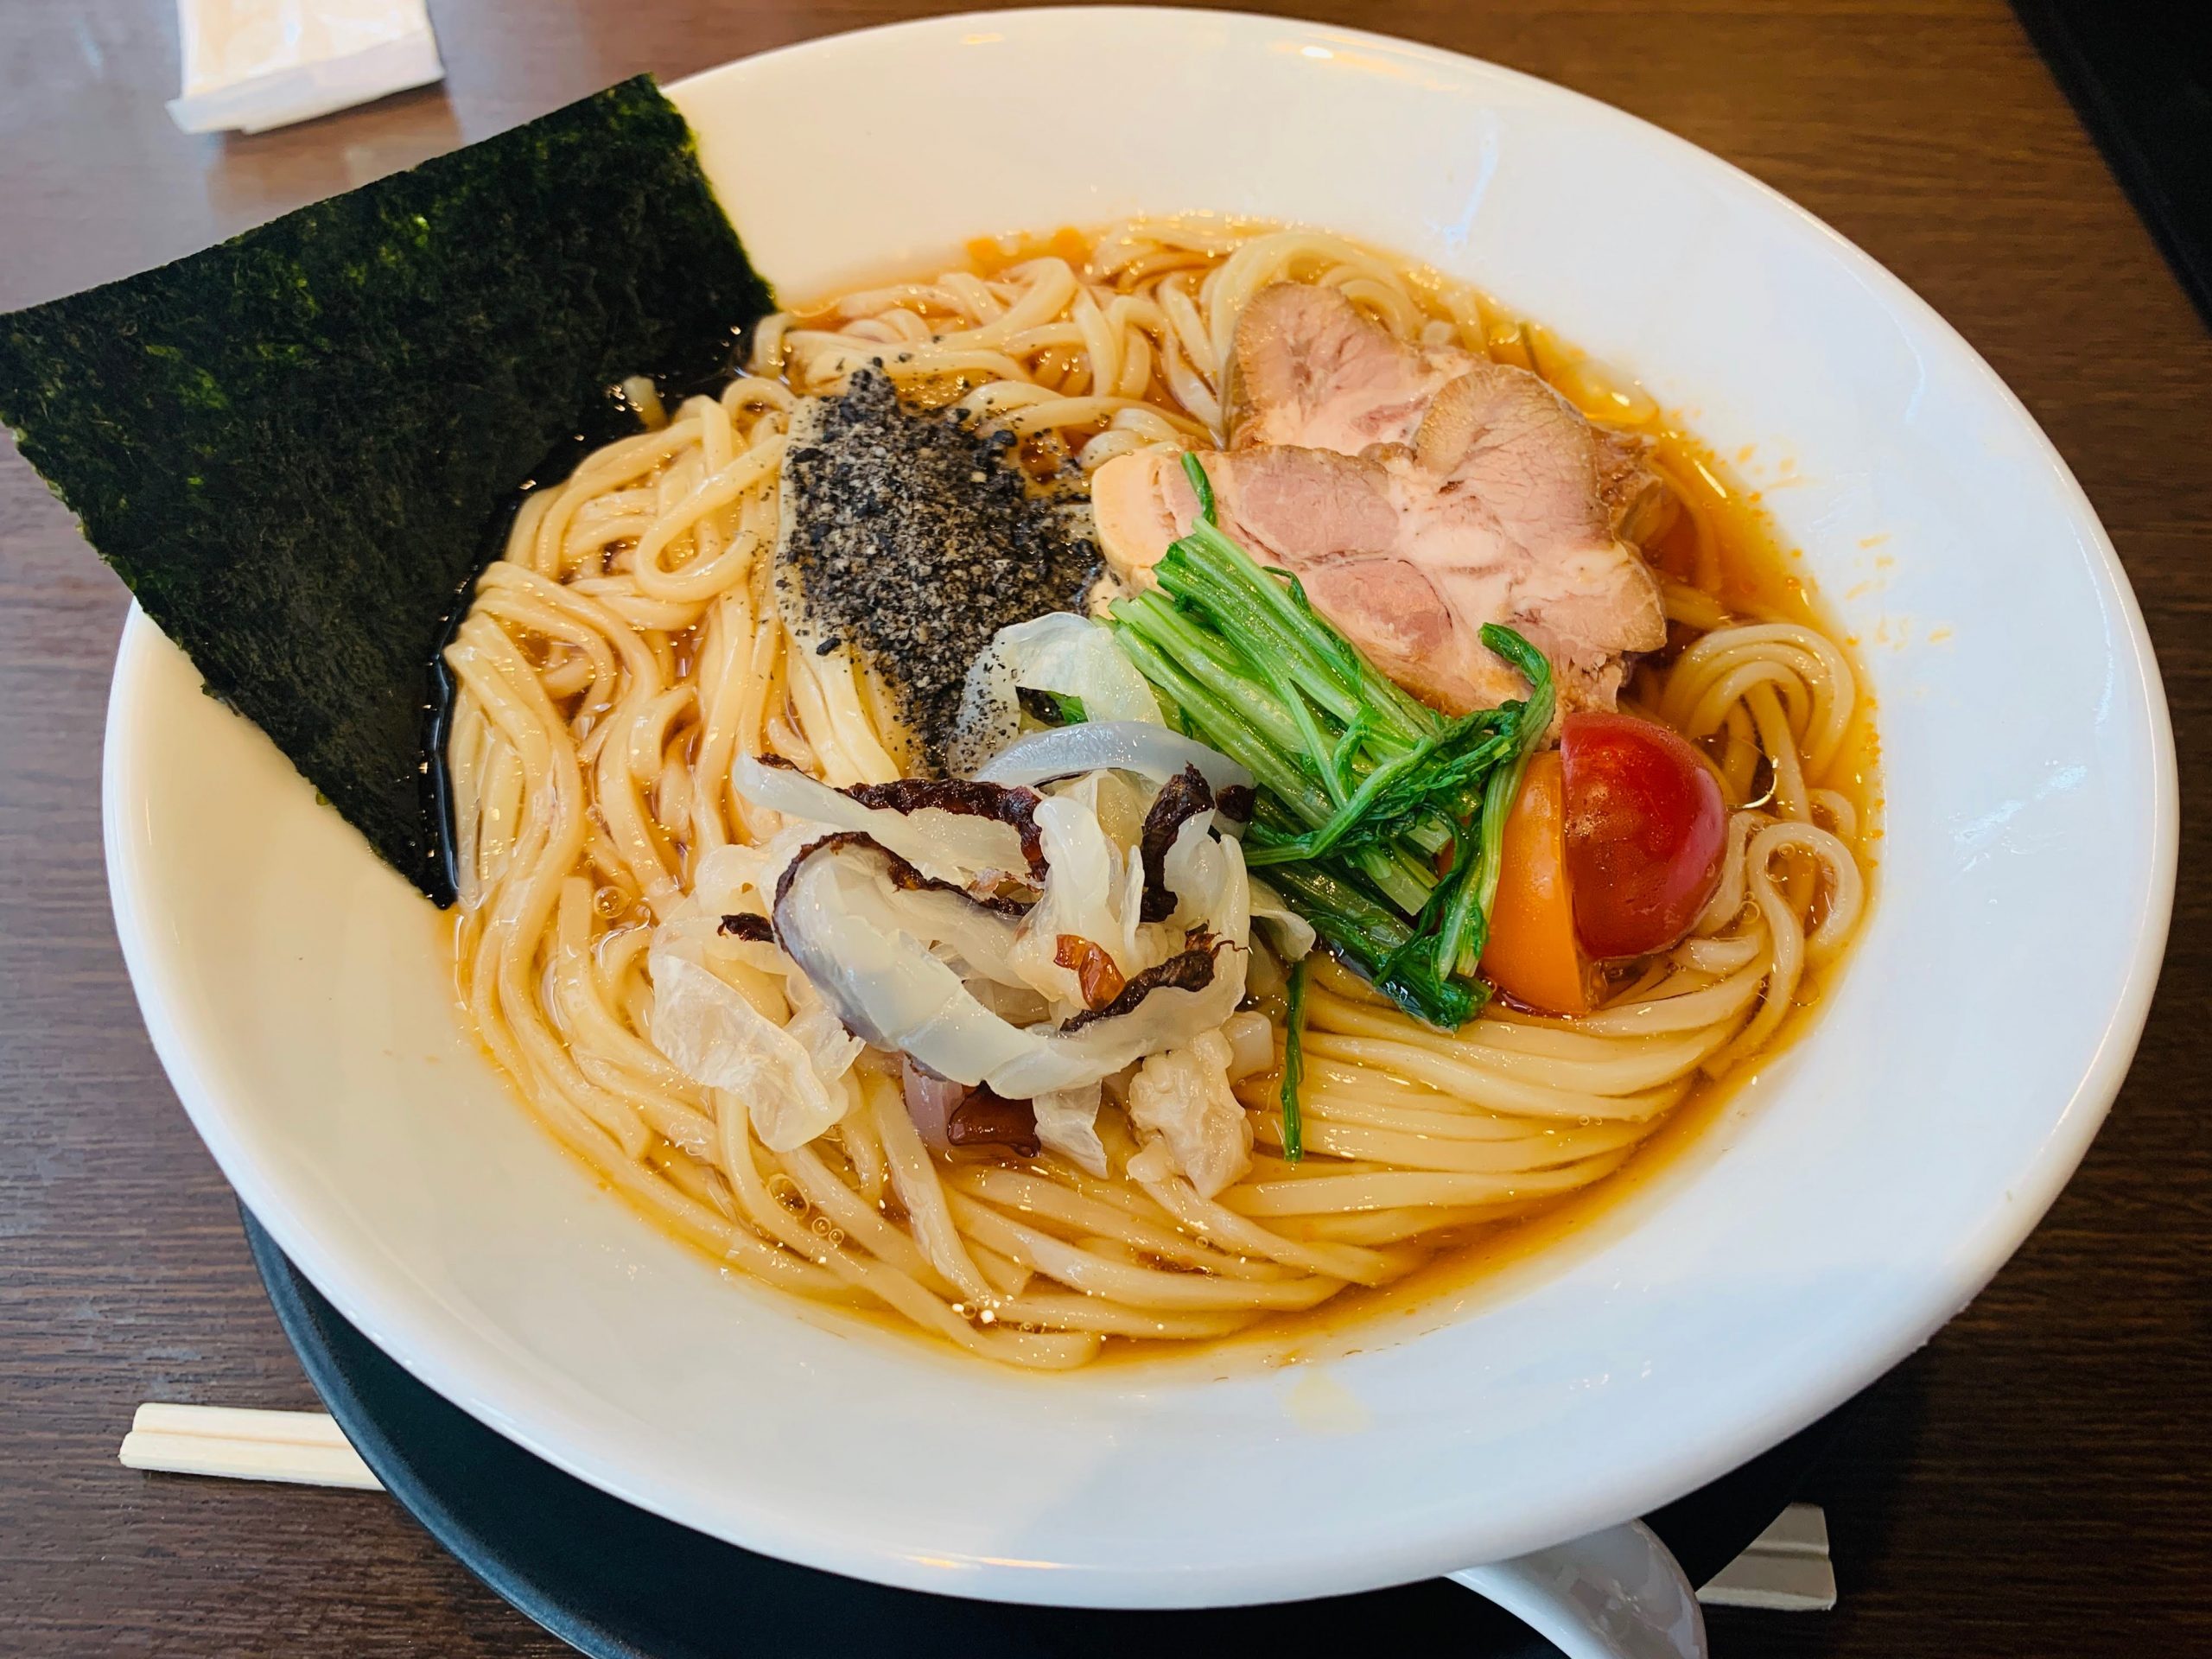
(2033, 1483)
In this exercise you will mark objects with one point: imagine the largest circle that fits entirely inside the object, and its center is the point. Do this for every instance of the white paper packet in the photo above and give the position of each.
(251, 65)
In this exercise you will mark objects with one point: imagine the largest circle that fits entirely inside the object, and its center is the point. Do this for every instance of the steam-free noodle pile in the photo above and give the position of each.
(627, 650)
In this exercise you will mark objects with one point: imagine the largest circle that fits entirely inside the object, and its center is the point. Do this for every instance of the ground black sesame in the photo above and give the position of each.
(914, 539)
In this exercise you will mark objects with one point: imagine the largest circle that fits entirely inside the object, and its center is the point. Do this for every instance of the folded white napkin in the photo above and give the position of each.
(251, 65)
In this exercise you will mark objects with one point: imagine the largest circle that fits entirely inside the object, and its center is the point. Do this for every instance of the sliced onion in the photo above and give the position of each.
(1152, 752)
(1084, 879)
(955, 847)
(1196, 873)
(1168, 1018)
(1251, 1038)
(1293, 935)
(1211, 888)
(837, 921)
(1067, 1122)
(1069, 655)
(711, 1034)
(981, 939)
(1183, 1098)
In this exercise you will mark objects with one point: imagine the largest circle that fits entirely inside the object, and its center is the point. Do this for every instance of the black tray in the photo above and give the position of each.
(2140, 75)
(612, 1579)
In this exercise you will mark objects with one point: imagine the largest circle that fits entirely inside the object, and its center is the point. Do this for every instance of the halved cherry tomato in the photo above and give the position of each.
(1531, 953)
(1645, 829)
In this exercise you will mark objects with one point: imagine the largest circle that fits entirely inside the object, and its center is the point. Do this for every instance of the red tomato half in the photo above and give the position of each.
(1645, 830)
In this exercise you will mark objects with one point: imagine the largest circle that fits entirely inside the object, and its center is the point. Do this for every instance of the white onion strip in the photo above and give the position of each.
(1150, 751)
(954, 847)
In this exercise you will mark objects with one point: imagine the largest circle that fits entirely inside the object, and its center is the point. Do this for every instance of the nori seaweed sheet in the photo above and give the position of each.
(294, 447)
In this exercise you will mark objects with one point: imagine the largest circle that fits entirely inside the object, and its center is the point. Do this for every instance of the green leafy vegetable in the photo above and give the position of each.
(1372, 935)
(1051, 708)
(1294, 1064)
(1364, 791)
(296, 447)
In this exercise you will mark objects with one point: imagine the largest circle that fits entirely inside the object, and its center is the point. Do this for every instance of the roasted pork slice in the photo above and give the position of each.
(1309, 369)
(1492, 510)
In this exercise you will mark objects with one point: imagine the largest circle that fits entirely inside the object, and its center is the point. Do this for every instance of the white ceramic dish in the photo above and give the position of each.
(1860, 1192)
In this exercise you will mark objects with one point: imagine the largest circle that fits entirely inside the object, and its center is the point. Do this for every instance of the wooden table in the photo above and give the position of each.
(2033, 1483)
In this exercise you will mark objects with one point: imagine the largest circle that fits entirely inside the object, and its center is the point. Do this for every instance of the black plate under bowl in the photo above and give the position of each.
(612, 1579)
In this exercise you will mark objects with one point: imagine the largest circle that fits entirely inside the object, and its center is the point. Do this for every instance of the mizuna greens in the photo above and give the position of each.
(1294, 1063)
(1364, 793)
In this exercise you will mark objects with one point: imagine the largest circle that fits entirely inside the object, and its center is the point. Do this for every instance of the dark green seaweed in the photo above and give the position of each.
(294, 446)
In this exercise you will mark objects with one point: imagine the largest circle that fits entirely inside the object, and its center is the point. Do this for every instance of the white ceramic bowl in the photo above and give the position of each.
(1860, 1192)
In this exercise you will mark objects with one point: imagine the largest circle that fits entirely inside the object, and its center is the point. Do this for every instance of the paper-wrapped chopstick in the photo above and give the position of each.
(303, 1446)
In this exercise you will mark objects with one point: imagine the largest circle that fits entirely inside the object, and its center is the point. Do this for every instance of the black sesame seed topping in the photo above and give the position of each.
(915, 539)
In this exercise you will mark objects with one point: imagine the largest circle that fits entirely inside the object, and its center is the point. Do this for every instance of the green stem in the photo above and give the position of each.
(1315, 744)
(1214, 721)
(1467, 925)
(1324, 840)
(1208, 658)
(1294, 1064)
(1361, 786)
(1198, 573)
(1370, 937)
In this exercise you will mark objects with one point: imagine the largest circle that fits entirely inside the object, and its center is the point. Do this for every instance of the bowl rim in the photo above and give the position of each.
(1939, 1288)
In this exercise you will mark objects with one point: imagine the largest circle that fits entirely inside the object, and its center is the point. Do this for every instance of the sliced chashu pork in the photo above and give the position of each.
(1307, 368)
(1474, 494)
